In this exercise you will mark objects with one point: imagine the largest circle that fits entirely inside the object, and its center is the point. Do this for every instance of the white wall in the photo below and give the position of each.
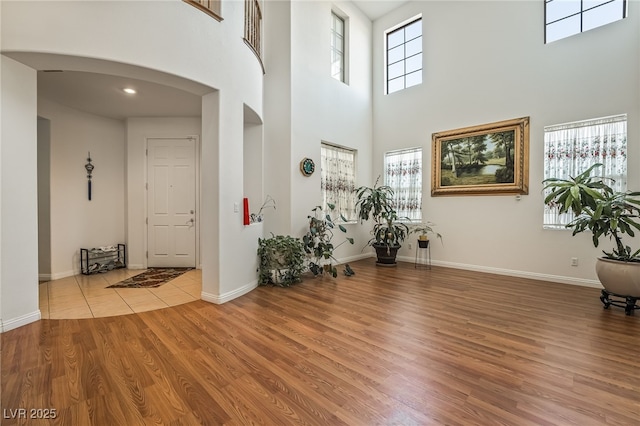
(168, 42)
(486, 61)
(252, 156)
(77, 222)
(44, 199)
(277, 115)
(321, 109)
(137, 132)
(19, 186)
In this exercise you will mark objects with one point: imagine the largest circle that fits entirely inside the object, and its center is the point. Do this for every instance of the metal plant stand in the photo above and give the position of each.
(424, 249)
(629, 303)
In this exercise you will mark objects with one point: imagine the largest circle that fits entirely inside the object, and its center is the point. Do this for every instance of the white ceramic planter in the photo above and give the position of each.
(622, 278)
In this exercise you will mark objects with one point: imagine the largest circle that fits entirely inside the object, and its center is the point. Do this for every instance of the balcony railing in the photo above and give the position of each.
(253, 27)
(210, 7)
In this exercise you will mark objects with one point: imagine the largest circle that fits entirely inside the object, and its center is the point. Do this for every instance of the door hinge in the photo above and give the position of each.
(146, 186)
(146, 152)
(146, 221)
(146, 254)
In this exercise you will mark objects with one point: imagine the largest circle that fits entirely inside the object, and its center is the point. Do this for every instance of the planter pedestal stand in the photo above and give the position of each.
(423, 248)
(629, 303)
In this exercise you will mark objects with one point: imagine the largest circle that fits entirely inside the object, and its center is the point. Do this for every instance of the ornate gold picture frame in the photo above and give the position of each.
(490, 159)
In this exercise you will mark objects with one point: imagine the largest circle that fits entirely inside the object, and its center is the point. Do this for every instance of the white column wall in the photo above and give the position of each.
(210, 243)
(18, 205)
(230, 207)
(325, 109)
(277, 115)
(304, 106)
(486, 61)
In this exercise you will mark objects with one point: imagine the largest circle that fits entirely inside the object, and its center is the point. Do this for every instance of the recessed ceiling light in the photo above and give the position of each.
(129, 91)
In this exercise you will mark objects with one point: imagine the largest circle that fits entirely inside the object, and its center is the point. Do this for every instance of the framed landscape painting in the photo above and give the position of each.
(490, 159)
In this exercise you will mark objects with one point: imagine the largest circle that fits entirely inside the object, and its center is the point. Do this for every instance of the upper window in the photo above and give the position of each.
(338, 179)
(564, 18)
(337, 47)
(571, 148)
(404, 56)
(403, 173)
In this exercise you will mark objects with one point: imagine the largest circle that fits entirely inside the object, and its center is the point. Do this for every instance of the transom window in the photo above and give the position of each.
(404, 56)
(571, 148)
(338, 179)
(403, 173)
(337, 47)
(564, 18)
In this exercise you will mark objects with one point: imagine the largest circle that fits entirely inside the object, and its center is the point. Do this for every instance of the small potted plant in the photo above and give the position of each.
(605, 213)
(423, 230)
(268, 203)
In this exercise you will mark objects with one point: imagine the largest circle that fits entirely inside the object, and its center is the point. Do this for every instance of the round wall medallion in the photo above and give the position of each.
(307, 166)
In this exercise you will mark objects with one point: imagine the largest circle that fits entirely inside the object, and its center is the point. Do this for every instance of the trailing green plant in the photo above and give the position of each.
(376, 203)
(281, 260)
(318, 242)
(598, 209)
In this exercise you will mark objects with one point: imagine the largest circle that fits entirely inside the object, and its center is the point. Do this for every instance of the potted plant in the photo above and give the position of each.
(605, 213)
(318, 242)
(268, 203)
(281, 260)
(424, 229)
(389, 231)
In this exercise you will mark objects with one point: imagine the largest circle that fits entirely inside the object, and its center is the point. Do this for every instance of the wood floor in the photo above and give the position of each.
(388, 346)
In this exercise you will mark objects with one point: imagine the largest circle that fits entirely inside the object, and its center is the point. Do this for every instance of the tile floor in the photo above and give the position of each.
(86, 296)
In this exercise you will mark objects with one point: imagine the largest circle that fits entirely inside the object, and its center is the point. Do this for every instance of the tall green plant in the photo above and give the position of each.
(374, 202)
(377, 203)
(599, 209)
(318, 241)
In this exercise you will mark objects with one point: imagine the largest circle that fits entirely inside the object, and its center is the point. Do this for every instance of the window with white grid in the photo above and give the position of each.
(404, 56)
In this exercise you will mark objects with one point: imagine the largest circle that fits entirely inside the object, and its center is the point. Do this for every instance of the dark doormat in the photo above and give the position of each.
(152, 277)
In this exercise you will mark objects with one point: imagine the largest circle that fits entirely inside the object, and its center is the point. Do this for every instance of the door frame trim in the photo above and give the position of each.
(197, 194)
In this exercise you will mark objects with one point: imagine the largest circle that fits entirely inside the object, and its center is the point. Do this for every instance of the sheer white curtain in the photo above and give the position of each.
(403, 173)
(337, 179)
(571, 148)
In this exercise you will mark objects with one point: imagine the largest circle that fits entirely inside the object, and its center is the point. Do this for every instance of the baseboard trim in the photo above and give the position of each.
(6, 325)
(60, 275)
(136, 266)
(520, 274)
(348, 259)
(218, 300)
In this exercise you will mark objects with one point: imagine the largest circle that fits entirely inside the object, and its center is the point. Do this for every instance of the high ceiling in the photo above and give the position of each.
(376, 8)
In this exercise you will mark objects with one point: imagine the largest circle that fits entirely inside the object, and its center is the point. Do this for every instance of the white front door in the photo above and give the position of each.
(171, 202)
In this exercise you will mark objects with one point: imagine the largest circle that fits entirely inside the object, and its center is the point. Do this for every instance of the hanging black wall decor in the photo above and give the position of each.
(89, 168)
